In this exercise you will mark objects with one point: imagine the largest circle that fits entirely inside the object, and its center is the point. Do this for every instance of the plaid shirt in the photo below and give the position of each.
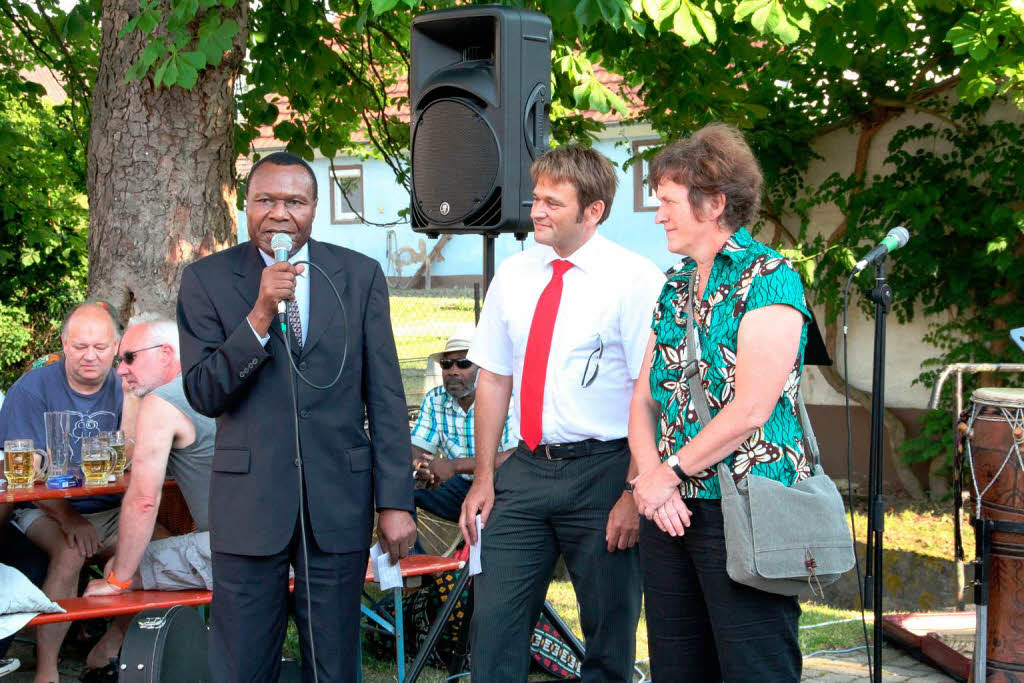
(444, 428)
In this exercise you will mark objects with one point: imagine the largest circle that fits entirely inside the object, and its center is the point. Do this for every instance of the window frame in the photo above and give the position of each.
(339, 217)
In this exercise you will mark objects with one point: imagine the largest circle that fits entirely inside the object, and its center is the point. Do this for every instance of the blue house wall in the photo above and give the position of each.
(383, 198)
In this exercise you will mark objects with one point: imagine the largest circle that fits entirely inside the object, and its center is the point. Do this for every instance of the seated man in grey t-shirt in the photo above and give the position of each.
(171, 440)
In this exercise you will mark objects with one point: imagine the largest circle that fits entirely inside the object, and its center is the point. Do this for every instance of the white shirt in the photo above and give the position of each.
(608, 297)
(301, 290)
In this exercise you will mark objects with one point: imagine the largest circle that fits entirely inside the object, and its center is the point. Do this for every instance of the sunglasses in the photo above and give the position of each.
(462, 364)
(128, 357)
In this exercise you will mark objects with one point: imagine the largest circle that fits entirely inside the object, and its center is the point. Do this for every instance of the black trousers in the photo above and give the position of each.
(702, 625)
(543, 509)
(249, 613)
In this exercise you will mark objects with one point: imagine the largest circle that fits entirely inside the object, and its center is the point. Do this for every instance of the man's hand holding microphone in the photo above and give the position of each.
(277, 285)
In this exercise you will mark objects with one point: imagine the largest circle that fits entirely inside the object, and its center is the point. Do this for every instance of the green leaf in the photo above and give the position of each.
(666, 10)
(785, 30)
(130, 26)
(610, 12)
(154, 49)
(580, 94)
(651, 8)
(683, 26)
(999, 244)
(816, 5)
(188, 76)
(195, 58)
(382, 6)
(74, 25)
(149, 20)
(761, 18)
(588, 12)
(895, 34)
(748, 7)
(171, 75)
(706, 21)
(158, 74)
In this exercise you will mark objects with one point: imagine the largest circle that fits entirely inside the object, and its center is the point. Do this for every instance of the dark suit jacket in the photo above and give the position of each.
(254, 498)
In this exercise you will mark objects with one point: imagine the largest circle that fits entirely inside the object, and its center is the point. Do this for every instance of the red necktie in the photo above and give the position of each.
(535, 364)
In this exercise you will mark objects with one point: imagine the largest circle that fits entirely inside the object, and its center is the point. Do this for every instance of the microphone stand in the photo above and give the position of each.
(882, 296)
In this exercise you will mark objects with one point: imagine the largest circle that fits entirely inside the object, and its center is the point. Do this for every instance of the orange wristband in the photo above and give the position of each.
(113, 581)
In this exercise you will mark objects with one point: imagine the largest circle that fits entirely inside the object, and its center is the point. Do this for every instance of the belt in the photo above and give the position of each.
(578, 449)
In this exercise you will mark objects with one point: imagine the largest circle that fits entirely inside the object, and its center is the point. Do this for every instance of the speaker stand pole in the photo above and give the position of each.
(882, 296)
(488, 262)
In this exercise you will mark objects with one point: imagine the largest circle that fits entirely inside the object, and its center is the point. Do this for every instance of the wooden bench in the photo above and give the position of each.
(137, 601)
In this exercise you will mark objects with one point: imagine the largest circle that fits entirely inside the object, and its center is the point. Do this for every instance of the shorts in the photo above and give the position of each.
(178, 563)
(104, 522)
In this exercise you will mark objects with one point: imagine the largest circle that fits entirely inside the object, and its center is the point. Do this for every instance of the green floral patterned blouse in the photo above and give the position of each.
(745, 275)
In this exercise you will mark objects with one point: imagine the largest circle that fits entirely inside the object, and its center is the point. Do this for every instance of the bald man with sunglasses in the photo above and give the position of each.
(442, 438)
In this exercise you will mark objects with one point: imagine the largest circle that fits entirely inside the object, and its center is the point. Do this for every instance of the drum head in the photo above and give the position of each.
(999, 397)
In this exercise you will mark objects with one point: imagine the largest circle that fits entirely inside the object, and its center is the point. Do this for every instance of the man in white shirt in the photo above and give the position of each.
(563, 329)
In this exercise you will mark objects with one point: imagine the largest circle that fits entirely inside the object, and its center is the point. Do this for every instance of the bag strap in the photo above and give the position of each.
(700, 399)
(692, 368)
(805, 422)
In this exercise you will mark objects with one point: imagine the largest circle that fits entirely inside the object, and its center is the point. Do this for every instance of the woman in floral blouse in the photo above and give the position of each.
(751, 326)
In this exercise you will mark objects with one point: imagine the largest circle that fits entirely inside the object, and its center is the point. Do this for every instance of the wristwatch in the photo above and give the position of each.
(673, 462)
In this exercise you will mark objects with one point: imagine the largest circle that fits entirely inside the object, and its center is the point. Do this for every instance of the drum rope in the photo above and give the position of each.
(1016, 423)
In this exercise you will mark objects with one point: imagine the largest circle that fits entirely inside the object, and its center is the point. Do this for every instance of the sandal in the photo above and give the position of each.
(103, 674)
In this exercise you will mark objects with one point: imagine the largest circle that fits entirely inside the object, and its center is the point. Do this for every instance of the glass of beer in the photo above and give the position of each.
(23, 463)
(98, 461)
(115, 441)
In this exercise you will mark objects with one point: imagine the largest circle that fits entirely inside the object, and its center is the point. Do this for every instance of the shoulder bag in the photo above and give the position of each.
(787, 540)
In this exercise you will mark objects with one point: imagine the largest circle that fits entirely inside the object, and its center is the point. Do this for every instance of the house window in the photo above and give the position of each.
(643, 196)
(346, 194)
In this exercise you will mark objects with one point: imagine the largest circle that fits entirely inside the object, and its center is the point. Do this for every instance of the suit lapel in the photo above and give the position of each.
(249, 269)
(323, 306)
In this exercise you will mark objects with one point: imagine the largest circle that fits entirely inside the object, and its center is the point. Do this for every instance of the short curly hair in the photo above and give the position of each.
(714, 160)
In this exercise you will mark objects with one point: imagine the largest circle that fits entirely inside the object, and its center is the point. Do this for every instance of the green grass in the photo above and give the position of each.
(423, 320)
(924, 528)
(831, 637)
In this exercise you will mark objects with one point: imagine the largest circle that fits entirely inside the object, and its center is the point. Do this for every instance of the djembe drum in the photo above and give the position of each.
(994, 442)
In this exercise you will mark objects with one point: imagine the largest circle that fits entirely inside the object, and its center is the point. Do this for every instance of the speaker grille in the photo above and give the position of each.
(455, 161)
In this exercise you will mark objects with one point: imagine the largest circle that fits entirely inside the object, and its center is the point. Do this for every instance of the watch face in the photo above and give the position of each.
(672, 461)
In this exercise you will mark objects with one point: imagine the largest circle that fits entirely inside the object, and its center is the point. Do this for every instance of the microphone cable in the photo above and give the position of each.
(298, 451)
(849, 465)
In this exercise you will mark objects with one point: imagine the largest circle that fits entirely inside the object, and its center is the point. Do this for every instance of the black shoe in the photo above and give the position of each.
(103, 674)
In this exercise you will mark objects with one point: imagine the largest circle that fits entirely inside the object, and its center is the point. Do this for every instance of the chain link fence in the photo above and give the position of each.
(422, 321)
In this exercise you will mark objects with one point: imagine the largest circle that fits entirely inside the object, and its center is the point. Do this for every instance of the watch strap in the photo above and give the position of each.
(679, 471)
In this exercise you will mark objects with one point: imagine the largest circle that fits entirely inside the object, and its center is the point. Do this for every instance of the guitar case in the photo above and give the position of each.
(165, 645)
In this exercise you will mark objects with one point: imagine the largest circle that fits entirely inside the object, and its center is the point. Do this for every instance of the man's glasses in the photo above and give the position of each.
(595, 357)
(128, 357)
(461, 364)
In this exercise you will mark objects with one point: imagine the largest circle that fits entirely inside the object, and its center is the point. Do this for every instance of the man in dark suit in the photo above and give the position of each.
(235, 367)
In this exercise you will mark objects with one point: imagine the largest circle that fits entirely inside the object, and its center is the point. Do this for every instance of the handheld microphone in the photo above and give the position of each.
(282, 246)
(897, 237)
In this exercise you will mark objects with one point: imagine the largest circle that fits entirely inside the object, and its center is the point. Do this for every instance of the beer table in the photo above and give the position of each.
(40, 492)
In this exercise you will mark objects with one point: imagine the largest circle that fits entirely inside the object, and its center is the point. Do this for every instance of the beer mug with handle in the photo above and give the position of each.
(58, 445)
(20, 463)
(98, 461)
(117, 441)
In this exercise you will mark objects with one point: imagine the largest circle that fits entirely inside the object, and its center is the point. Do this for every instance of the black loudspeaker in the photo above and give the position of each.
(479, 95)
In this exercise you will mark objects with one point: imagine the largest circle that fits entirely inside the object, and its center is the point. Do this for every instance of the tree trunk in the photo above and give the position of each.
(161, 170)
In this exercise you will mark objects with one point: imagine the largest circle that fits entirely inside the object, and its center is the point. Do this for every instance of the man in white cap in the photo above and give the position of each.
(442, 438)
